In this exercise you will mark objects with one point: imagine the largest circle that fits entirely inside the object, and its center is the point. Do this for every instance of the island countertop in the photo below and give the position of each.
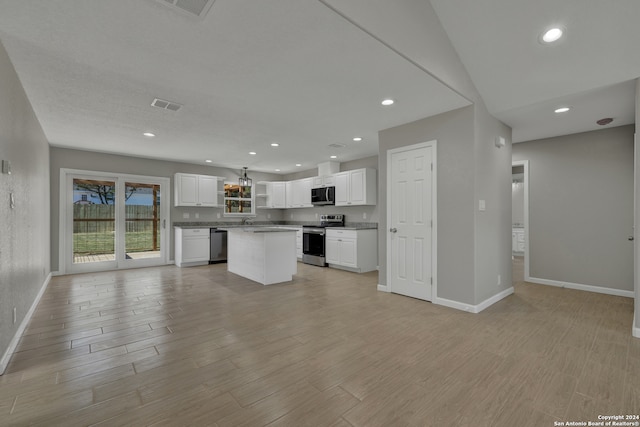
(258, 229)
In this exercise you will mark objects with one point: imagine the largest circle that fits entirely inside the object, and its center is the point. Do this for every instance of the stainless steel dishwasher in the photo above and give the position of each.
(218, 246)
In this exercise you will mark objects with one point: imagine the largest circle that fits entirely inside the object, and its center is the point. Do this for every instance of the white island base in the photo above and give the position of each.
(265, 255)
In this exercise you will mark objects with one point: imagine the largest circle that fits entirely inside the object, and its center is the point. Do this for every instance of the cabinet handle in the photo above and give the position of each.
(393, 230)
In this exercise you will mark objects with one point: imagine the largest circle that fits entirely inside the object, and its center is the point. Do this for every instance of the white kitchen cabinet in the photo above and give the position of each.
(324, 181)
(518, 241)
(353, 250)
(288, 190)
(301, 193)
(299, 242)
(356, 187)
(271, 195)
(276, 195)
(191, 246)
(197, 190)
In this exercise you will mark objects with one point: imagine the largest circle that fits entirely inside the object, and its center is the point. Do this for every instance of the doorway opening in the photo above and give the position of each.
(520, 220)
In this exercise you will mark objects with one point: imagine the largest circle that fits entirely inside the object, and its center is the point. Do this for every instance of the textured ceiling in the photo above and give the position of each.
(295, 72)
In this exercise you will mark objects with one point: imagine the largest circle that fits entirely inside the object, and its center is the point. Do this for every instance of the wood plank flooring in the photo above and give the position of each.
(200, 346)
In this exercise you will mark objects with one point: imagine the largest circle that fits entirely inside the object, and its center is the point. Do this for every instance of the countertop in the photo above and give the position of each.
(258, 229)
(228, 225)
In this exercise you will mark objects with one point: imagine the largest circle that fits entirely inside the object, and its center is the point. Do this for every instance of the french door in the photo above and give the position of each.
(112, 221)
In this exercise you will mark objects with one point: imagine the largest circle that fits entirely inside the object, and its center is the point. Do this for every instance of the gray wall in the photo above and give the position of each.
(637, 199)
(581, 207)
(493, 226)
(24, 247)
(93, 161)
(474, 248)
(454, 132)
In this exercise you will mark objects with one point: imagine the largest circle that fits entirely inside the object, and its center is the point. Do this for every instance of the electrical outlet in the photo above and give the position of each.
(197, 215)
(218, 215)
(268, 216)
(15, 315)
(185, 215)
(291, 216)
(364, 215)
(499, 280)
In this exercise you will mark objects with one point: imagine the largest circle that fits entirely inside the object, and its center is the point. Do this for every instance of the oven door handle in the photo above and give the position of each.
(321, 233)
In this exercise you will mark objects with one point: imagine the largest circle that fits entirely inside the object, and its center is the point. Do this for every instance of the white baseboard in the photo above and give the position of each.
(474, 308)
(581, 287)
(635, 331)
(4, 362)
(383, 288)
(494, 299)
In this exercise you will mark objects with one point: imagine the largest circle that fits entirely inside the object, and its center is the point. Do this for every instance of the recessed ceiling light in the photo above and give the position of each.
(298, 164)
(562, 110)
(149, 134)
(388, 102)
(334, 157)
(275, 144)
(253, 153)
(208, 161)
(552, 35)
(277, 170)
(357, 139)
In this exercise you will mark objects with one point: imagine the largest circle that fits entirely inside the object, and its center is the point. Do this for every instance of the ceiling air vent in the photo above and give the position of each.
(166, 105)
(198, 8)
(337, 145)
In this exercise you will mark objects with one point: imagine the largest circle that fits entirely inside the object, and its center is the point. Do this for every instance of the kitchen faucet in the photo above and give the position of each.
(246, 220)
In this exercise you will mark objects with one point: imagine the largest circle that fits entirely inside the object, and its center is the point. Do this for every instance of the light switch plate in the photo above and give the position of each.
(482, 205)
(6, 167)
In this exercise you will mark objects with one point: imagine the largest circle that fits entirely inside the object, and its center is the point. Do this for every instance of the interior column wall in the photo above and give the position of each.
(454, 133)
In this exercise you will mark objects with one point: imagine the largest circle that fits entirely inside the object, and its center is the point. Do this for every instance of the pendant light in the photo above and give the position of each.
(244, 180)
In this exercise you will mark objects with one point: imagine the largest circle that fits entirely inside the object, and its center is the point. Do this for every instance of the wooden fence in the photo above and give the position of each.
(91, 221)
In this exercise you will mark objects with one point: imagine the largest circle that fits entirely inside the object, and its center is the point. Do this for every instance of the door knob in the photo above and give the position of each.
(630, 238)
(393, 230)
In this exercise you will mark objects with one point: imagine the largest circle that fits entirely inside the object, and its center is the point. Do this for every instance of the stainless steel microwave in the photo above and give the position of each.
(323, 196)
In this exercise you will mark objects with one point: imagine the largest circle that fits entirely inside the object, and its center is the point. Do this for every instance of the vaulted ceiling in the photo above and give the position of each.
(298, 73)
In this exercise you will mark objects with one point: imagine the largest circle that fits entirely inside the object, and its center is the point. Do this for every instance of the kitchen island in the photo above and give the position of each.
(266, 255)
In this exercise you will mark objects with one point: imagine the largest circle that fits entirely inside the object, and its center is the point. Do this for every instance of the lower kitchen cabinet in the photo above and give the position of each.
(191, 246)
(353, 250)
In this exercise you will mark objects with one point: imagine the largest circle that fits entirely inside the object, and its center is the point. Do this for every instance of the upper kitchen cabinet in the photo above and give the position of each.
(356, 187)
(274, 196)
(197, 190)
(301, 193)
(324, 181)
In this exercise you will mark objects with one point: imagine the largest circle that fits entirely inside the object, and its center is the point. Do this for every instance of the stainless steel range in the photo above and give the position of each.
(313, 239)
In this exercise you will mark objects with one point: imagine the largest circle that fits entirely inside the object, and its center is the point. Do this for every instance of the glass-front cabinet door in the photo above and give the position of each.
(238, 200)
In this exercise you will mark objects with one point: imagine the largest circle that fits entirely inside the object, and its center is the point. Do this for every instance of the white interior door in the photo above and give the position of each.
(411, 218)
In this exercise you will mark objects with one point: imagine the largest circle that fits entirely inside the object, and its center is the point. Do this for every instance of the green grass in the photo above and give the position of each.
(103, 243)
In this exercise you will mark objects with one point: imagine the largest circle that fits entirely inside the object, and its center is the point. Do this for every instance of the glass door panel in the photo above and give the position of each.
(113, 222)
(94, 221)
(142, 236)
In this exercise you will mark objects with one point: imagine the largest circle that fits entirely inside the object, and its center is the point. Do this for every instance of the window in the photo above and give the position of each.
(238, 200)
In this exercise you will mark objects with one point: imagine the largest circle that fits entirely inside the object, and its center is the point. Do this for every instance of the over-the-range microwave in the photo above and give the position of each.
(323, 196)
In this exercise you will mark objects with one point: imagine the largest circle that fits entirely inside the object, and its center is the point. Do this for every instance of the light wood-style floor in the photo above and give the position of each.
(199, 346)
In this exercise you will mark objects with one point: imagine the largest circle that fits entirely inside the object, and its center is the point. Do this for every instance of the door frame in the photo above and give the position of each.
(525, 163)
(434, 206)
(66, 222)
